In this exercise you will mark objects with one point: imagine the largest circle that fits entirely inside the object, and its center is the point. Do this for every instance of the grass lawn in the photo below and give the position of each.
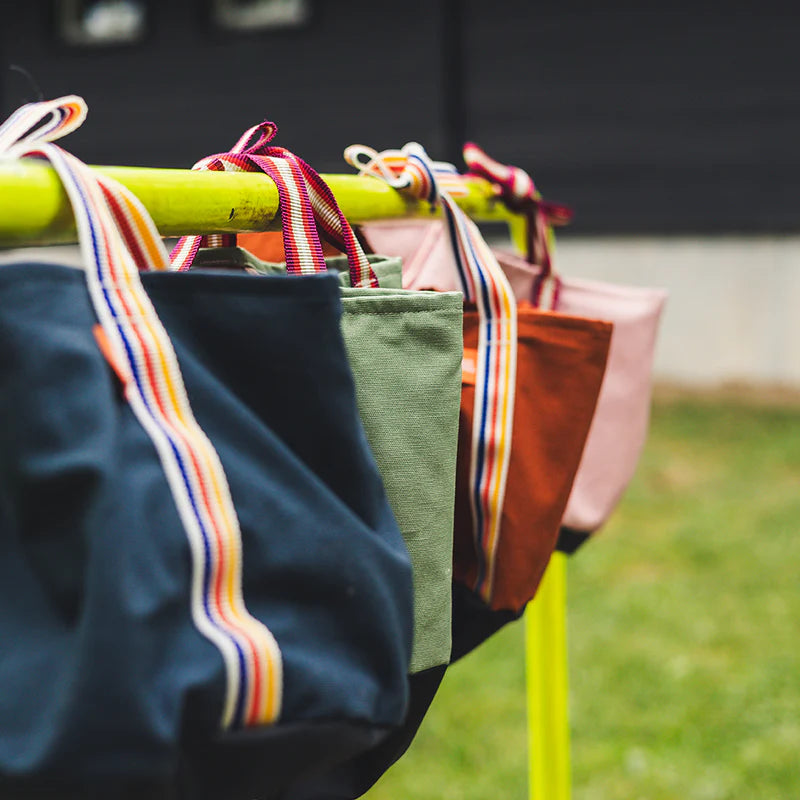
(683, 627)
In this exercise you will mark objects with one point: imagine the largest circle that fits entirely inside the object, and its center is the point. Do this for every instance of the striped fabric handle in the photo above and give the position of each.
(519, 192)
(250, 154)
(483, 282)
(332, 221)
(34, 123)
(155, 391)
(390, 166)
(302, 246)
(328, 214)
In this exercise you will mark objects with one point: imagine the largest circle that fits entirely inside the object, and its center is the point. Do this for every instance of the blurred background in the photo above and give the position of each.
(661, 125)
(672, 129)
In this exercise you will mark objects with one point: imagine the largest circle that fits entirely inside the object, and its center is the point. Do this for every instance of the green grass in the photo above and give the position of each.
(683, 628)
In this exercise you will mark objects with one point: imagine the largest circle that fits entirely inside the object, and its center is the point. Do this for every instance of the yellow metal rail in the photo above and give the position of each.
(546, 673)
(35, 209)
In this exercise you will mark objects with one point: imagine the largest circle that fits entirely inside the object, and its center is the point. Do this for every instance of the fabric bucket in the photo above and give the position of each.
(405, 350)
(560, 364)
(620, 425)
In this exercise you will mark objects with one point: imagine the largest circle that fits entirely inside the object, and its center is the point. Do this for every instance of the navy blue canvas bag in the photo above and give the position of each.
(146, 650)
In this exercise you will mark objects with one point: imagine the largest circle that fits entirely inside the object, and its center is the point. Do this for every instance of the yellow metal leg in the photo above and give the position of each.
(547, 686)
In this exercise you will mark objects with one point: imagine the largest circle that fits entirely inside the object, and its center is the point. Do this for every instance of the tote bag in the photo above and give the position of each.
(405, 352)
(203, 590)
(621, 420)
(501, 547)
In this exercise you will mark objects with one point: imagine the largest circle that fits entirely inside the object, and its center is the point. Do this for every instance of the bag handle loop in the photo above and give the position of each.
(519, 193)
(42, 122)
(303, 249)
(252, 153)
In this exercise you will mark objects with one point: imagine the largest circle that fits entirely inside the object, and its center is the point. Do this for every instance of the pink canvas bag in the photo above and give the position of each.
(621, 420)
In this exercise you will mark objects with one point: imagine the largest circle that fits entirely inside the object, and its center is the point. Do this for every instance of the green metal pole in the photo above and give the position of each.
(547, 686)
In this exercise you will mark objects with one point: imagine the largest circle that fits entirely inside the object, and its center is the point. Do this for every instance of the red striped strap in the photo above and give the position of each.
(519, 192)
(253, 151)
(332, 221)
(301, 240)
(328, 214)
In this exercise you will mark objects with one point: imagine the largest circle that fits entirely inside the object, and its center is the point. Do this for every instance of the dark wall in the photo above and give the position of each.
(190, 91)
(681, 117)
(685, 117)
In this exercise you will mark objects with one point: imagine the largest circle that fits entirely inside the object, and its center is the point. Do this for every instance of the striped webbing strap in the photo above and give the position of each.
(301, 189)
(519, 192)
(483, 283)
(116, 236)
(302, 247)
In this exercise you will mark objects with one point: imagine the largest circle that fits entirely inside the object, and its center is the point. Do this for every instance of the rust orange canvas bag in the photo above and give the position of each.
(560, 365)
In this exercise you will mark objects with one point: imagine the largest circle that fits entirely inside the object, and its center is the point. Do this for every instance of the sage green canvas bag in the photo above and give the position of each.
(405, 350)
